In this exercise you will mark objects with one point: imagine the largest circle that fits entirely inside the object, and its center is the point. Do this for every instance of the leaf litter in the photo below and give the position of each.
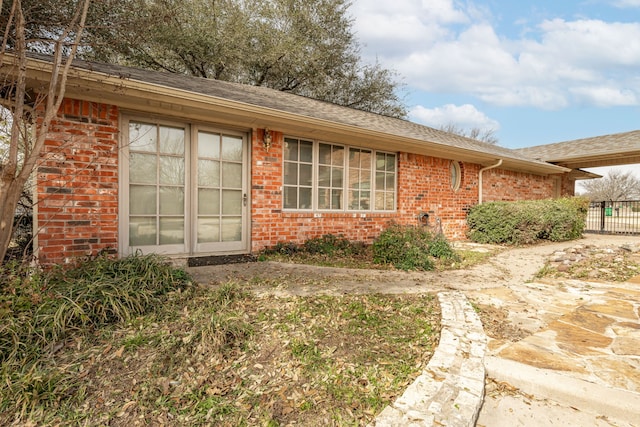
(225, 356)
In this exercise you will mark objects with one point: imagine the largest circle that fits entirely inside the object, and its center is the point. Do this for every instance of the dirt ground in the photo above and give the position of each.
(509, 267)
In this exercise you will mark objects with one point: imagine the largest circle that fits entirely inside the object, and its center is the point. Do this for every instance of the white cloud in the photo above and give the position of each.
(627, 3)
(465, 116)
(442, 48)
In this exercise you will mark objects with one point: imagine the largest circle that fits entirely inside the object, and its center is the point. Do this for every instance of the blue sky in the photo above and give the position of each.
(536, 72)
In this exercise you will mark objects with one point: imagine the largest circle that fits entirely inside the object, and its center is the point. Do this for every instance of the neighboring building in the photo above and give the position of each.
(184, 166)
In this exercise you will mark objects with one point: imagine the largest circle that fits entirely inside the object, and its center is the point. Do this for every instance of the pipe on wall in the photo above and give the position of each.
(480, 179)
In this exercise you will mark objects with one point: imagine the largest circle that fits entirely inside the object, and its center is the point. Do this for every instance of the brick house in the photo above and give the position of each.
(154, 162)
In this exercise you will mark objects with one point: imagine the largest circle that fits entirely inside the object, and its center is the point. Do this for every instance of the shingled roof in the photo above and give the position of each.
(606, 150)
(303, 107)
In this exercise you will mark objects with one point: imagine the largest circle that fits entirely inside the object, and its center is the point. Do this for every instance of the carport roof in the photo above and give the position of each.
(606, 150)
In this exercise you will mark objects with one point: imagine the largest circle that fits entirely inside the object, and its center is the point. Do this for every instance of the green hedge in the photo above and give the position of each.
(527, 222)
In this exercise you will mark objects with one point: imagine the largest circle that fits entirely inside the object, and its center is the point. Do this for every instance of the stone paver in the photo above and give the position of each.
(450, 390)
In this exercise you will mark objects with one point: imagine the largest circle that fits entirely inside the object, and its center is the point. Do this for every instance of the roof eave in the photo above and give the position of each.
(155, 98)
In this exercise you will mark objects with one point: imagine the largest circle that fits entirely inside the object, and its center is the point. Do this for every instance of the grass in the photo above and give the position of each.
(177, 354)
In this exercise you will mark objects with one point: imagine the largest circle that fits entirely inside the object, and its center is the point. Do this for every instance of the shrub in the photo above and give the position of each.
(527, 222)
(328, 244)
(410, 248)
(41, 308)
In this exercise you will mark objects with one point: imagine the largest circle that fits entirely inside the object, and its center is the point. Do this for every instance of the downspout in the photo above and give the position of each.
(480, 179)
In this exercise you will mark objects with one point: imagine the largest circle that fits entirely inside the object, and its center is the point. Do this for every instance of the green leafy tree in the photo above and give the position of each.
(305, 47)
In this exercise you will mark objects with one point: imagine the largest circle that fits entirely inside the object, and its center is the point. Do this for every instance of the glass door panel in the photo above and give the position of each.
(220, 192)
(156, 188)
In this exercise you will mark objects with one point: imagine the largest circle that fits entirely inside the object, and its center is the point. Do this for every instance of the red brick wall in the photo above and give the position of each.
(77, 183)
(568, 186)
(77, 191)
(503, 185)
(425, 187)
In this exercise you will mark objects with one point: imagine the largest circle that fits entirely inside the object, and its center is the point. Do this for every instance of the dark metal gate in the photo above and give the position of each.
(614, 217)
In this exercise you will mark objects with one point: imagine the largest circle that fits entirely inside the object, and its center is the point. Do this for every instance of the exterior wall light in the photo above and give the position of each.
(266, 139)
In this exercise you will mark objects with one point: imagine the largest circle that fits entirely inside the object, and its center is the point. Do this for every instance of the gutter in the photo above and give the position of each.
(480, 179)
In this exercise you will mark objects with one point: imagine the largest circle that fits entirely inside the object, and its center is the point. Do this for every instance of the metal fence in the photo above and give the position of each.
(614, 217)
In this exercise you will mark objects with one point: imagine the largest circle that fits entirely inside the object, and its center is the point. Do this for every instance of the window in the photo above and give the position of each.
(330, 177)
(298, 173)
(324, 176)
(385, 181)
(456, 175)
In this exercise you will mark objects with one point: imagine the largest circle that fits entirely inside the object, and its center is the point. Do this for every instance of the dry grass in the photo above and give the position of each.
(226, 357)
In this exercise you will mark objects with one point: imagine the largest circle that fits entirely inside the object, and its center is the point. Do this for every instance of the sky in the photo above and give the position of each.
(535, 72)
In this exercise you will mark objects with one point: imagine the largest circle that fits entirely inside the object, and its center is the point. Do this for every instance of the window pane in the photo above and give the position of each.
(365, 160)
(231, 229)
(171, 170)
(291, 173)
(324, 154)
(231, 202)
(306, 151)
(208, 145)
(290, 149)
(354, 158)
(391, 182)
(232, 148)
(324, 198)
(338, 156)
(336, 199)
(142, 200)
(305, 198)
(142, 168)
(231, 175)
(208, 201)
(171, 201)
(337, 177)
(171, 140)
(391, 162)
(365, 200)
(380, 180)
(390, 201)
(208, 173)
(142, 137)
(291, 197)
(381, 161)
(305, 174)
(354, 198)
(324, 176)
(171, 231)
(208, 230)
(142, 231)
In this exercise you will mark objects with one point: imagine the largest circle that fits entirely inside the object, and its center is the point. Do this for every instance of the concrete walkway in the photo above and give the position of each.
(581, 364)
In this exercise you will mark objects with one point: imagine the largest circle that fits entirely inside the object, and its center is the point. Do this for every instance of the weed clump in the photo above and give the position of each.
(40, 311)
(318, 248)
(411, 248)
